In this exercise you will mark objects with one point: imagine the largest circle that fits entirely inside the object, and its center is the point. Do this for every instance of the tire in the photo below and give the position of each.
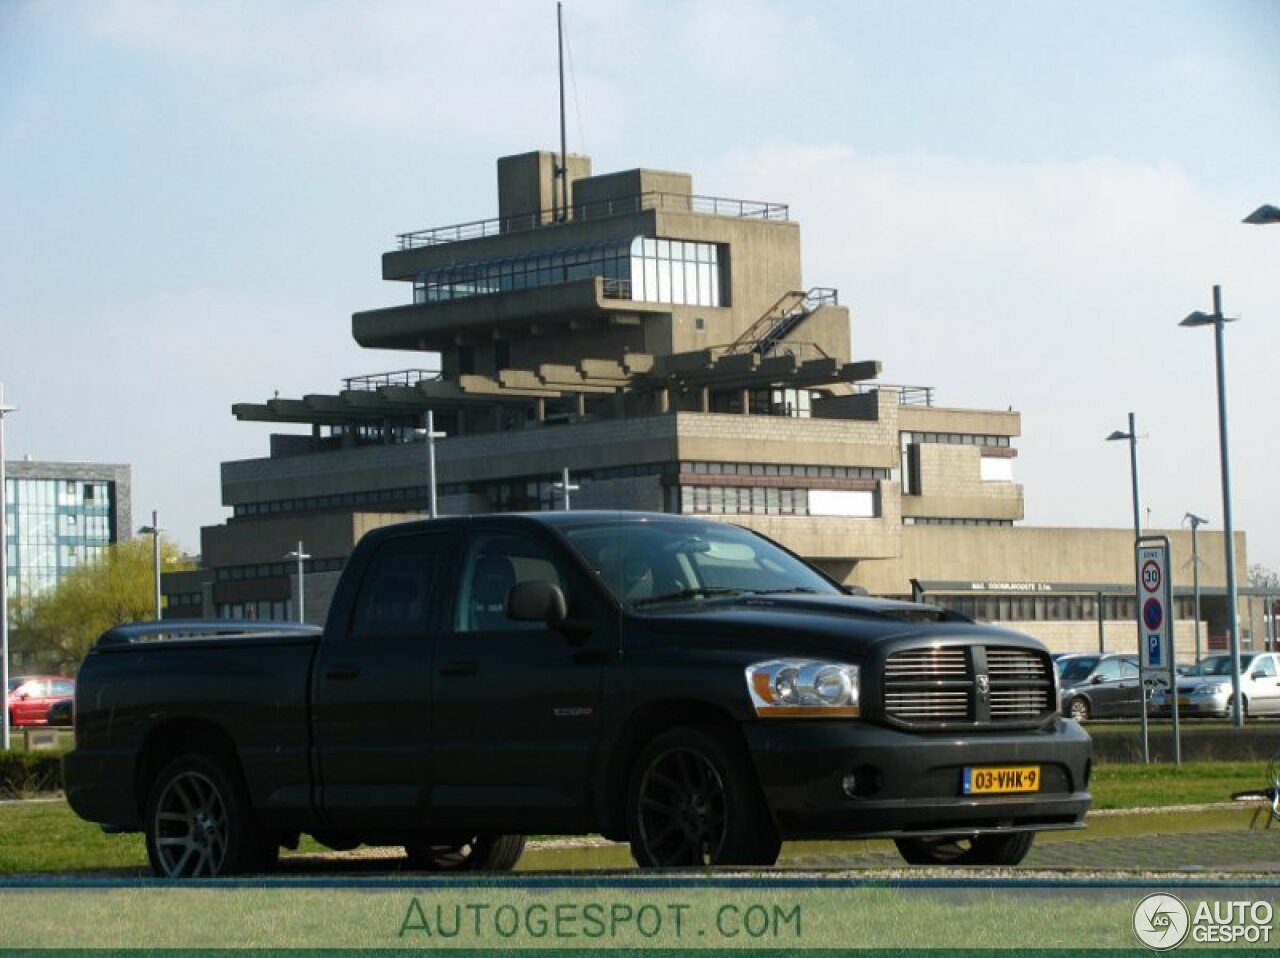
(693, 801)
(453, 853)
(199, 823)
(1078, 709)
(1244, 707)
(1004, 850)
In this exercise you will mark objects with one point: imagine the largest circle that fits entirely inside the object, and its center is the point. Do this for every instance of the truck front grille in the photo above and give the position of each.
(968, 684)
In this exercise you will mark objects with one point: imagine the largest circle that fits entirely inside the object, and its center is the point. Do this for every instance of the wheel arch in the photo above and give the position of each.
(178, 737)
(640, 728)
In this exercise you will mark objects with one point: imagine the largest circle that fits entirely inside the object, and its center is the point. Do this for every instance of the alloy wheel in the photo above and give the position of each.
(682, 808)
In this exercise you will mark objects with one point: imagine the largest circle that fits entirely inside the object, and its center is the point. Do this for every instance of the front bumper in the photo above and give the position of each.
(1217, 704)
(908, 784)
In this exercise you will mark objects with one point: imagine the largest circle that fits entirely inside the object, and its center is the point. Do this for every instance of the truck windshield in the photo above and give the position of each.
(653, 562)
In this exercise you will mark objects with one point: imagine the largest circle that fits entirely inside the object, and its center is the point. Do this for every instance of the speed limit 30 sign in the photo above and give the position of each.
(1155, 619)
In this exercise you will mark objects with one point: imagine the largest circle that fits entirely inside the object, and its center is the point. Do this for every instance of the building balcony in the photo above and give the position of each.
(440, 325)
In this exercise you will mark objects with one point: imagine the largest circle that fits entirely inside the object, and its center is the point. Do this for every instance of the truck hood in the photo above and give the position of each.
(826, 624)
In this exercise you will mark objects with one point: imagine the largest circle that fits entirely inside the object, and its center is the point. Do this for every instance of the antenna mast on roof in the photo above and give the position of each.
(561, 169)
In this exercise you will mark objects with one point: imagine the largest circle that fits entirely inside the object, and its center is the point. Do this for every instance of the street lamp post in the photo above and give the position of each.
(1264, 214)
(430, 435)
(1218, 321)
(4, 582)
(564, 487)
(1196, 522)
(1132, 438)
(302, 599)
(154, 531)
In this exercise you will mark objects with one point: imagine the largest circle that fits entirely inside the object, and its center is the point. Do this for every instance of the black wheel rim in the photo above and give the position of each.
(450, 856)
(190, 827)
(682, 813)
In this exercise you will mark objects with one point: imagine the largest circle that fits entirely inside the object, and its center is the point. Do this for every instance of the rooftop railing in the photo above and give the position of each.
(400, 377)
(580, 212)
(907, 395)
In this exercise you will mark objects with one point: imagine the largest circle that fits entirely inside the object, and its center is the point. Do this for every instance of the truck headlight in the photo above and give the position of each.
(791, 688)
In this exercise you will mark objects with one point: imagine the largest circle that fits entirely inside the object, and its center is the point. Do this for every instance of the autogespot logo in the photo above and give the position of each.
(1161, 922)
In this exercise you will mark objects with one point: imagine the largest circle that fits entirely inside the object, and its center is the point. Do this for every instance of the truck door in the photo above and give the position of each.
(516, 703)
(372, 688)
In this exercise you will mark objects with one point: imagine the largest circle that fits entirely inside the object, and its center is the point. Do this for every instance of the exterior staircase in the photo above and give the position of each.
(781, 319)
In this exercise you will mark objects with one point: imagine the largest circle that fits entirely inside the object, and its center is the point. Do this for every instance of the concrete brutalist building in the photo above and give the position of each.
(663, 347)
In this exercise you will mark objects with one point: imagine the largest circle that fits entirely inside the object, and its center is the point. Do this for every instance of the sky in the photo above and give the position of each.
(1018, 200)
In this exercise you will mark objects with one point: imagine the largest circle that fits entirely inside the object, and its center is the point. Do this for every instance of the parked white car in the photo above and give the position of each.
(1206, 689)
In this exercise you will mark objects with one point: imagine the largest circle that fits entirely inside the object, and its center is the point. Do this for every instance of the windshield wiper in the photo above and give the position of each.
(792, 591)
(698, 593)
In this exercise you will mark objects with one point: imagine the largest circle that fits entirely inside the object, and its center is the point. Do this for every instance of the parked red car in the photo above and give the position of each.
(31, 695)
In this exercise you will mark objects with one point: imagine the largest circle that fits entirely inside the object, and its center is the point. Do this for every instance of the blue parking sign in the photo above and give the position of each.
(1153, 650)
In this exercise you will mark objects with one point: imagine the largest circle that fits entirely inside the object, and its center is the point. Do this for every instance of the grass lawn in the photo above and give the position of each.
(45, 836)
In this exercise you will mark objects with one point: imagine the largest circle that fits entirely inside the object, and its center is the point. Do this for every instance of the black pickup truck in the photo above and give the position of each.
(682, 684)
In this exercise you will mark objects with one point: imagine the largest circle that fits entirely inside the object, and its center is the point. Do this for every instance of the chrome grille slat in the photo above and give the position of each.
(936, 685)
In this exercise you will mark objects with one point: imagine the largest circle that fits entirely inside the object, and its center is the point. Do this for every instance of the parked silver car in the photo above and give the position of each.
(1206, 689)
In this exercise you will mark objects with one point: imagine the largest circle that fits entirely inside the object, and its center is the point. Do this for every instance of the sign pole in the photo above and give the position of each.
(1157, 654)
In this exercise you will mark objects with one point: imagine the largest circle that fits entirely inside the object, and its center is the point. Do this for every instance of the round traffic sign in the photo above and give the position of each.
(1153, 614)
(1151, 577)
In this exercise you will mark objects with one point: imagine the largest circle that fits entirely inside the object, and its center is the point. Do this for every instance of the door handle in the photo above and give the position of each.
(340, 672)
(460, 667)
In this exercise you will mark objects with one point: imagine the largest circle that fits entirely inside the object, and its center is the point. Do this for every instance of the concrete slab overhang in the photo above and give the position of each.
(440, 325)
(748, 370)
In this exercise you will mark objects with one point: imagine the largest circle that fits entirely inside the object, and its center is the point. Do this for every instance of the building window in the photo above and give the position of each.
(650, 270)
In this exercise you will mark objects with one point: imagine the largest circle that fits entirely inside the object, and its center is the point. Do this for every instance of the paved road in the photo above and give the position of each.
(1237, 851)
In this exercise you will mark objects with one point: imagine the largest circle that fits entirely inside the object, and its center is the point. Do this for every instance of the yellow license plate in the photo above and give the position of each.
(1183, 700)
(991, 781)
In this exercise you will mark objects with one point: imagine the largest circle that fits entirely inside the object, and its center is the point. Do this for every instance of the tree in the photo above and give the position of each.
(1262, 577)
(59, 626)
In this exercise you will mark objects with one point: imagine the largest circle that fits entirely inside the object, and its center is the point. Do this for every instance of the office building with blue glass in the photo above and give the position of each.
(60, 515)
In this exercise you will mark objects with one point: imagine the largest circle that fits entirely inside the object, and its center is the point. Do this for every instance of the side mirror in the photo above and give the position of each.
(1098, 679)
(537, 602)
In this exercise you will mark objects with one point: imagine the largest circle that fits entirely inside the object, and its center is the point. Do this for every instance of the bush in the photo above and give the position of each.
(26, 773)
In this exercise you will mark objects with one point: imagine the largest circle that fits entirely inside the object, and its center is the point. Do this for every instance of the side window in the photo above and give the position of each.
(1128, 669)
(399, 587)
(1109, 669)
(1267, 666)
(492, 564)
(64, 687)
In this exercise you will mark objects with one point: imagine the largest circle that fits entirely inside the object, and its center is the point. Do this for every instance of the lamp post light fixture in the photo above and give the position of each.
(1262, 215)
(4, 581)
(154, 531)
(430, 435)
(1132, 438)
(564, 487)
(1195, 522)
(302, 600)
(1218, 321)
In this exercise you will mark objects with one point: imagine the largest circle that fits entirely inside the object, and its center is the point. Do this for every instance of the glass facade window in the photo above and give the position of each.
(53, 526)
(767, 501)
(947, 521)
(643, 269)
(1049, 608)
